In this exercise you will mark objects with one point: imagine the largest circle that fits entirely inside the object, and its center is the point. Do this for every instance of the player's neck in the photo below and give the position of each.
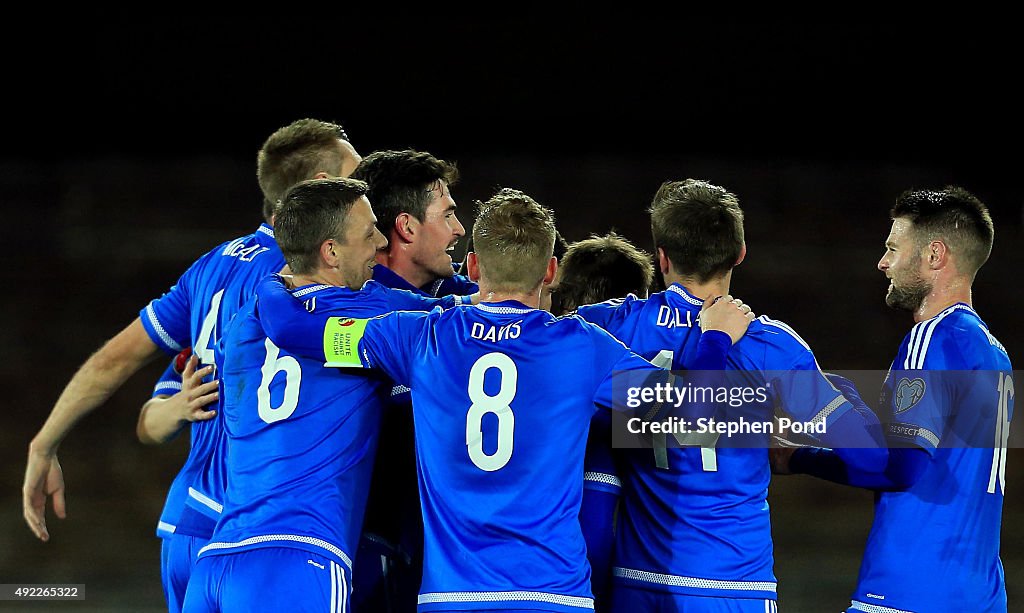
(941, 298)
(710, 289)
(530, 299)
(398, 262)
(318, 277)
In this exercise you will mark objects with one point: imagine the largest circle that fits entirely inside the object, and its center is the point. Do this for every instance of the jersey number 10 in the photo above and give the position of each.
(998, 473)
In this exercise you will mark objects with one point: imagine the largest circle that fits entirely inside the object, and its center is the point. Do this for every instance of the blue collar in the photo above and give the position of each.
(680, 291)
(265, 235)
(388, 278)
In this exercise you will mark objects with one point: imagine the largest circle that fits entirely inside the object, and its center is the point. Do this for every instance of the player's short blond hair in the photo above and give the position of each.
(513, 237)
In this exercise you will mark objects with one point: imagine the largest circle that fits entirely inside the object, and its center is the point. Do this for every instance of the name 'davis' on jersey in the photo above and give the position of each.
(669, 317)
(495, 333)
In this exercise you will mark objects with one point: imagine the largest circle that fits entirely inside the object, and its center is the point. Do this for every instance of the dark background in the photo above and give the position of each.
(129, 150)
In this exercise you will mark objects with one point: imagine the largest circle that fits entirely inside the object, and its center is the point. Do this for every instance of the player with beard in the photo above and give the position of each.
(946, 403)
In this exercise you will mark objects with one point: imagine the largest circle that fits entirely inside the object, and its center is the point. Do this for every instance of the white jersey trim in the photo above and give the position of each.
(309, 290)
(503, 310)
(928, 435)
(205, 500)
(172, 386)
(857, 605)
(268, 231)
(695, 582)
(285, 538)
(163, 526)
(602, 478)
(785, 327)
(517, 596)
(159, 328)
(675, 289)
(829, 409)
(400, 389)
(921, 338)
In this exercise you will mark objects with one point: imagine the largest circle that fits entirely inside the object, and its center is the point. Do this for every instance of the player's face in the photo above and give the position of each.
(903, 266)
(362, 240)
(439, 231)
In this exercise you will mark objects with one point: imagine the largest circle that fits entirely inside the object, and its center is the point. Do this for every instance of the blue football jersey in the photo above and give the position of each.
(456, 284)
(935, 547)
(194, 312)
(502, 398)
(392, 513)
(300, 438)
(695, 520)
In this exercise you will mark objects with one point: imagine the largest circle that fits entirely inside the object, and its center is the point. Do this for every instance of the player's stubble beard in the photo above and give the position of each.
(907, 295)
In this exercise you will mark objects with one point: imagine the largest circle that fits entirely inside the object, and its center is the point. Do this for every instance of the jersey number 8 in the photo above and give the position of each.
(499, 405)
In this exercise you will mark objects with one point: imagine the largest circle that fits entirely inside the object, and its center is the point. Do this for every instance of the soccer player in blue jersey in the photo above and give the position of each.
(411, 194)
(503, 394)
(192, 313)
(594, 270)
(694, 531)
(301, 438)
(946, 405)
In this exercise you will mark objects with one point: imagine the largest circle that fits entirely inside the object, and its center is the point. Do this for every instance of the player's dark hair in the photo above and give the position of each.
(403, 182)
(699, 226)
(954, 216)
(599, 268)
(312, 212)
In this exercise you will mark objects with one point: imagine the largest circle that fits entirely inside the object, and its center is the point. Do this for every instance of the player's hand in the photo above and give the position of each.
(191, 402)
(726, 314)
(845, 387)
(43, 478)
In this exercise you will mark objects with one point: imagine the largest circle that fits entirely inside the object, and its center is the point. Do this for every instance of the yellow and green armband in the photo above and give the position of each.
(341, 341)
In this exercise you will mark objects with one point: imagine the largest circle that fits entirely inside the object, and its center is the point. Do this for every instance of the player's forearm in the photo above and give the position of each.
(158, 421)
(903, 469)
(94, 383)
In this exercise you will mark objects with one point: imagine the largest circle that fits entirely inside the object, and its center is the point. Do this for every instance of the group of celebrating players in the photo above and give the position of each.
(374, 428)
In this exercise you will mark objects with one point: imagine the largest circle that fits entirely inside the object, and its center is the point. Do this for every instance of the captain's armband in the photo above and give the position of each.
(341, 342)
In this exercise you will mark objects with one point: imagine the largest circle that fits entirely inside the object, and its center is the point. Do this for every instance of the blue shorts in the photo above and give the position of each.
(177, 559)
(630, 600)
(269, 579)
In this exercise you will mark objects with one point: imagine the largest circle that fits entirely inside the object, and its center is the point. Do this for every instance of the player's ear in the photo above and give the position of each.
(329, 253)
(405, 227)
(663, 262)
(473, 266)
(743, 254)
(549, 274)
(937, 255)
